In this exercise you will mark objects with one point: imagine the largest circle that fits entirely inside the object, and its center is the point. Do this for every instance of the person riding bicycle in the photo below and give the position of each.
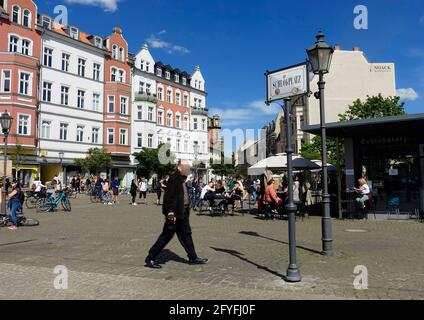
(15, 203)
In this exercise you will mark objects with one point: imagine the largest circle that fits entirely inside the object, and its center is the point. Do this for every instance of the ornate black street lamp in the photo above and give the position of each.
(196, 148)
(6, 124)
(320, 56)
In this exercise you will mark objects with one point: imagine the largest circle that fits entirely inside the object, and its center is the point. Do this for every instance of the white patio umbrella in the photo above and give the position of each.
(279, 162)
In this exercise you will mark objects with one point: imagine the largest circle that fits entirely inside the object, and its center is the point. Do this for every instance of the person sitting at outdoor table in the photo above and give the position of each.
(364, 191)
(271, 194)
(208, 193)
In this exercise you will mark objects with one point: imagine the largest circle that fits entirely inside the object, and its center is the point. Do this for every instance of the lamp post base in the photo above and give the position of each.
(293, 275)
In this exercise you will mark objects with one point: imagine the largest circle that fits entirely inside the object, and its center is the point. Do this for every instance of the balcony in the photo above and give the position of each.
(196, 111)
(144, 96)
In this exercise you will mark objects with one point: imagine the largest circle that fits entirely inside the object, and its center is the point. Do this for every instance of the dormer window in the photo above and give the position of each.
(121, 54)
(177, 78)
(73, 33)
(115, 52)
(46, 22)
(167, 75)
(147, 67)
(98, 42)
(184, 81)
(159, 72)
(142, 65)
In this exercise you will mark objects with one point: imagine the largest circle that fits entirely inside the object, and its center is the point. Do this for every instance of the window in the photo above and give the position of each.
(159, 72)
(178, 145)
(111, 104)
(185, 123)
(64, 95)
(141, 87)
(27, 19)
(142, 65)
(121, 54)
(110, 136)
(203, 147)
(184, 81)
(200, 103)
(48, 57)
(46, 22)
(160, 118)
(169, 120)
(6, 81)
(178, 98)
(73, 32)
(24, 83)
(121, 76)
(167, 75)
(150, 141)
(150, 114)
(140, 112)
(98, 42)
(148, 67)
(123, 137)
(64, 131)
(195, 124)
(123, 105)
(96, 72)
(186, 146)
(23, 125)
(80, 133)
(13, 44)
(45, 129)
(95, 135)
(139, 140)
(26, 47)
(160, 94)
(160, 141)
(16, 12)
(113, 74)
(178, 121)
(203, 124)
(96, 101)
(65, 62)
(47, 92)
(81, 99)
(115, 52)
(148, 88)
(186, 101)
(169, 96)
(81, 67)
(177, 78)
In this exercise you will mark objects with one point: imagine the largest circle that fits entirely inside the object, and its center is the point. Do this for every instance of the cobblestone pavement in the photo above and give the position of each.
(103, 248)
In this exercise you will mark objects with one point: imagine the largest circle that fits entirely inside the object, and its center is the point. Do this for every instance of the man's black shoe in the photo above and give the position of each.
(198, 261)
(152, 264)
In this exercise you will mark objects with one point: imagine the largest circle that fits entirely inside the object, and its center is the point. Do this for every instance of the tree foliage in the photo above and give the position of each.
(225, 167)
(149, 162)
(97, 160)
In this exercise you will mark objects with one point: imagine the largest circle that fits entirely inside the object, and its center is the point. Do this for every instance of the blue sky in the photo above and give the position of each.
(235, 41)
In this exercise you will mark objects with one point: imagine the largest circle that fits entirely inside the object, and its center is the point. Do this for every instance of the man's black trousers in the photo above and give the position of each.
(183, 230)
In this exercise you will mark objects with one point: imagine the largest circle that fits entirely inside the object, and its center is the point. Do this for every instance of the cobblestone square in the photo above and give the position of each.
(104, 247)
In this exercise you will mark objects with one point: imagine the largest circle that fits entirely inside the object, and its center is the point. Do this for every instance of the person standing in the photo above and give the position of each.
(133, 192)
(115, 190)
(15, 204)
(105, 190)
(176, 209)
(143, 190)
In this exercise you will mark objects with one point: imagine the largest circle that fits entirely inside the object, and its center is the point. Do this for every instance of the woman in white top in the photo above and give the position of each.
(364, 191)
(143, 190)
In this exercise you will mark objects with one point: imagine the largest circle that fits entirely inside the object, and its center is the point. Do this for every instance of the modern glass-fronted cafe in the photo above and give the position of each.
(389, 153)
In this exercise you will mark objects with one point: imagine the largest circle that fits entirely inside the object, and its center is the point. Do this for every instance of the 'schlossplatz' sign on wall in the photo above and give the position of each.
(288, 82)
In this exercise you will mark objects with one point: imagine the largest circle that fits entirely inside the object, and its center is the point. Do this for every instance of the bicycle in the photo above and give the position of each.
(51, 203)
(6, 220)
(33, 199)
(104, 197)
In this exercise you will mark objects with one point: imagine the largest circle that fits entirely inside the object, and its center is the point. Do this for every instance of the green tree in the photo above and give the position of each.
(18, 157)
(97, 160)
(312, 151)
(374, 107)
(149, 161)
(225, 167)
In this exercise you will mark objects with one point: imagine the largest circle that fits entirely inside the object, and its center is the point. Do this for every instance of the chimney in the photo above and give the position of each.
(338, 47)
(117, 30)
(145, 47)
(356, 49)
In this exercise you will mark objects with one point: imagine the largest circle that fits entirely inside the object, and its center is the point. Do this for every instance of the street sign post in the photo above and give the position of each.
(287, 83)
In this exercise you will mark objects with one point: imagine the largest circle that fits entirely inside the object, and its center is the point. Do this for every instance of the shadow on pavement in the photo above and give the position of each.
(168, 255)
(239, 255)
(255, 234)
(15, 243)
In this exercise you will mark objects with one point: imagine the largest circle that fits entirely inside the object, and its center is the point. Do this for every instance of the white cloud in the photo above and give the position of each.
(239, 116)
(106, 5)
(407, 94)
(155, 42)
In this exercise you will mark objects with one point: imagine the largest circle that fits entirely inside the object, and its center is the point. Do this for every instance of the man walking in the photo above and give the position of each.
(176, 208)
